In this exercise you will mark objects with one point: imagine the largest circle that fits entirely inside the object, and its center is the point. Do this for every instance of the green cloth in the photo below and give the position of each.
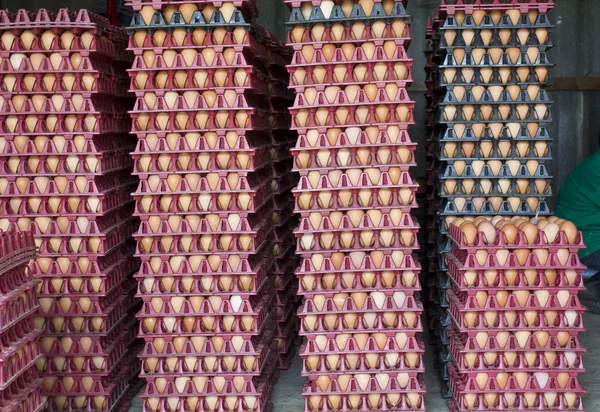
(579, 202)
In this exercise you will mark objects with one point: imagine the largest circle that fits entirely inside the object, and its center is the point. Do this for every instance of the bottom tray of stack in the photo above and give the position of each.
(515, 315)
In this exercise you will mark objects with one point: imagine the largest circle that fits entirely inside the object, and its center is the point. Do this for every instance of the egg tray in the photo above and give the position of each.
(561, 323)
(487, 98)
(512, 153)
(342, 367)
(348, 36)
(258, 282)
(561, 242)
(457, 273)
(313, 122)
(157, 251)
(320, 327)
(400, 401)
(254, 186)
(361, 367)
(464, 387)
(262, 356)
(195, 160)
(358, 56)
(505, 22)
(23, 394)
(362, 140)
(17, 305)
(254, 81)
(112, 358)
(175, 165)
(98, 50)
(469, 302)
(347, 265)
(116, 239)
(357, 286)
(520, 362)
(63, 19)
(257, 390)
(255, 267)
(257, 234)
(496, 42)
(256, 120)
(494, 192)
(98, 305)
(103, 162)
(238, 18)
(33, 125)
(15, 83)
(345, 224)
(110, 352)
(338, 246)
(109, 269)
(247, 7)
(20, 356)
(103, 189)
(111, 319)
(111, 398)
(256, 105)
(358, 14)
(496, 117)
(331, 78)
(475, 76)
(16, 250)
(487, 209)
(260, 317)
(364, 181)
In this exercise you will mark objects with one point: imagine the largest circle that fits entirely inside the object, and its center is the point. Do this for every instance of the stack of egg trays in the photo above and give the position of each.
(437, 279)
(284, 219)
(20, 386)
(518, 348)
(67, 178)
(207, 199)
(495, 108)
(360, 316)
(488, 160)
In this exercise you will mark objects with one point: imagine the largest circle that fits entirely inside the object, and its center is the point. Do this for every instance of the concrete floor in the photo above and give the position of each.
(287, 397)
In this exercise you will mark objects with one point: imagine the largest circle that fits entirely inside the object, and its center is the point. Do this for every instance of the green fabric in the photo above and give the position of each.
(579, 202)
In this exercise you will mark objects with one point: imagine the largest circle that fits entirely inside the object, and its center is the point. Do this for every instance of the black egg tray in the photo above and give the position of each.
(356, 15)
(177, 21)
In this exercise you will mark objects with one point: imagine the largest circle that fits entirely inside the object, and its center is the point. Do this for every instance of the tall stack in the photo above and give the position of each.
(492, 143)
(20, 386)
(67, 178)
(214, 200)
(361, 315)
(515, 315)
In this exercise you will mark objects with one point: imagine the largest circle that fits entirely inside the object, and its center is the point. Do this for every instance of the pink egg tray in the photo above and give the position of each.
(394, 395)
(348, 37)
(19, 338)
(247, 6)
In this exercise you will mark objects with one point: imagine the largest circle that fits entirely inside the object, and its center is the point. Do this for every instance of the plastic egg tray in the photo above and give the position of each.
(19, 338)
(68, 179)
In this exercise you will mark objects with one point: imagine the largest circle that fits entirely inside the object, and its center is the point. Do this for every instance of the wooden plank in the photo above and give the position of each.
(575, 84)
